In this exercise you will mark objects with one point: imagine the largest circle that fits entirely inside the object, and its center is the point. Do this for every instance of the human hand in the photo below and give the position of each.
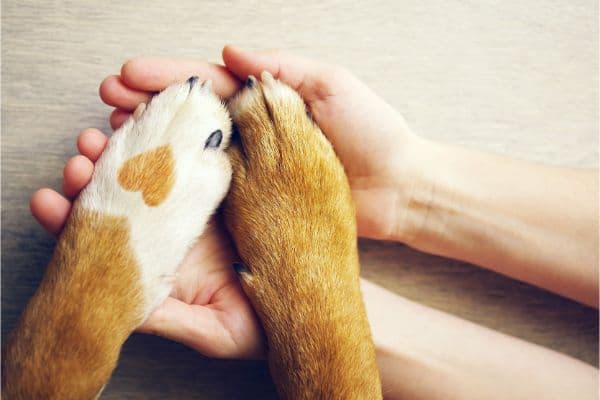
(207, 309)
(380, 154)
(198, 313)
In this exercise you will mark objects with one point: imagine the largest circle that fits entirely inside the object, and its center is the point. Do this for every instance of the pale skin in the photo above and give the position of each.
(439, 202)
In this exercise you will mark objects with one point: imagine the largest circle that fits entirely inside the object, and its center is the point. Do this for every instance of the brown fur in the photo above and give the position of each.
(291, 216)
(151, 172)
(67, 342)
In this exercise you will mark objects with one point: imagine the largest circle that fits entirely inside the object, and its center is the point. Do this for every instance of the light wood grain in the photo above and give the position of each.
(514, 77)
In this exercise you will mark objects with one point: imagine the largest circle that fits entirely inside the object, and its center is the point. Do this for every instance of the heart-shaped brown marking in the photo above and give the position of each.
(151, 173)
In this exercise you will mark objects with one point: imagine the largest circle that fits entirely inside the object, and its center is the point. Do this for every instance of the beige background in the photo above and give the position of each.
(514, 77)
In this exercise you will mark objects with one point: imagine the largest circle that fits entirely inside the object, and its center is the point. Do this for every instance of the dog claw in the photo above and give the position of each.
(240, 268)
(139, 110)
(193, 80)
(250, 81)
(207, 85)
(266, 76)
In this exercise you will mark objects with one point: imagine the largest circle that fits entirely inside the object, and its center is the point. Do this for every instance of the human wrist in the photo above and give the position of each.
(415, 185)
(443, 199)
(444, 193)
(497, 213)
(455, 199)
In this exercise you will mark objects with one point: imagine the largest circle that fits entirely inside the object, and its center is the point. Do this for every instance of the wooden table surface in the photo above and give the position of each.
(513, 77)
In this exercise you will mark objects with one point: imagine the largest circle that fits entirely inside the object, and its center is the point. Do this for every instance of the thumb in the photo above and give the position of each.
(303, 75)
(193, 325)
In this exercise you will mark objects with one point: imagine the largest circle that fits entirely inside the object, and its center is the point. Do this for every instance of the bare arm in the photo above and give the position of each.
(423, 353)
(535, 223)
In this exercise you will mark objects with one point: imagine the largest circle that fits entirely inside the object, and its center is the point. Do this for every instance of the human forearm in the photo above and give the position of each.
(427, 354)
(535, 223)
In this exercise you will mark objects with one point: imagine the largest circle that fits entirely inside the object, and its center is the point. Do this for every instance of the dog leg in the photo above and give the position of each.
(160, 178)
(292, 219)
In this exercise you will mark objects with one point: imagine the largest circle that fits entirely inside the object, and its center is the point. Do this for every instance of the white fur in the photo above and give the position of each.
(161, 235)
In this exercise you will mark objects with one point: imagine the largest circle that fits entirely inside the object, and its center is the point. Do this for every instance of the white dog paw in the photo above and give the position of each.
(165, 172)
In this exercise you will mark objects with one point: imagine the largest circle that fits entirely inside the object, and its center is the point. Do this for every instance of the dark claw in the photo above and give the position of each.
(214, 140)
(235, 133)
(309, 115)
(239, 268)
(192, 81)
(250, 81)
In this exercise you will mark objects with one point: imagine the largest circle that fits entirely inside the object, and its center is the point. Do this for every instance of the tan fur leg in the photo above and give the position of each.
(67, 342)
(292, 219)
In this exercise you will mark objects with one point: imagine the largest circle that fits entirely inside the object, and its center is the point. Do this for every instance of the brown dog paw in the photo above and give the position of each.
(290, 213)
(290, 199)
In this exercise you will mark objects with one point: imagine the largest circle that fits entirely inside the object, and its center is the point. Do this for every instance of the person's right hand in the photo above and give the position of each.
(378, 151)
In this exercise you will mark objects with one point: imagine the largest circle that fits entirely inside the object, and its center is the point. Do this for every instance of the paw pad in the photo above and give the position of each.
(151, 173)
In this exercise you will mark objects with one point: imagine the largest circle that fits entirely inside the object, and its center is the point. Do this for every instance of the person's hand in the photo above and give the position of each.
(380, 154)
(207, 309)
(370, 138)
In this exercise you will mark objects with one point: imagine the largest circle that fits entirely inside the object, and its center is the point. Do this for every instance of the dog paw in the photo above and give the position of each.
(290, 199)
(164, 172)
(291, 216)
